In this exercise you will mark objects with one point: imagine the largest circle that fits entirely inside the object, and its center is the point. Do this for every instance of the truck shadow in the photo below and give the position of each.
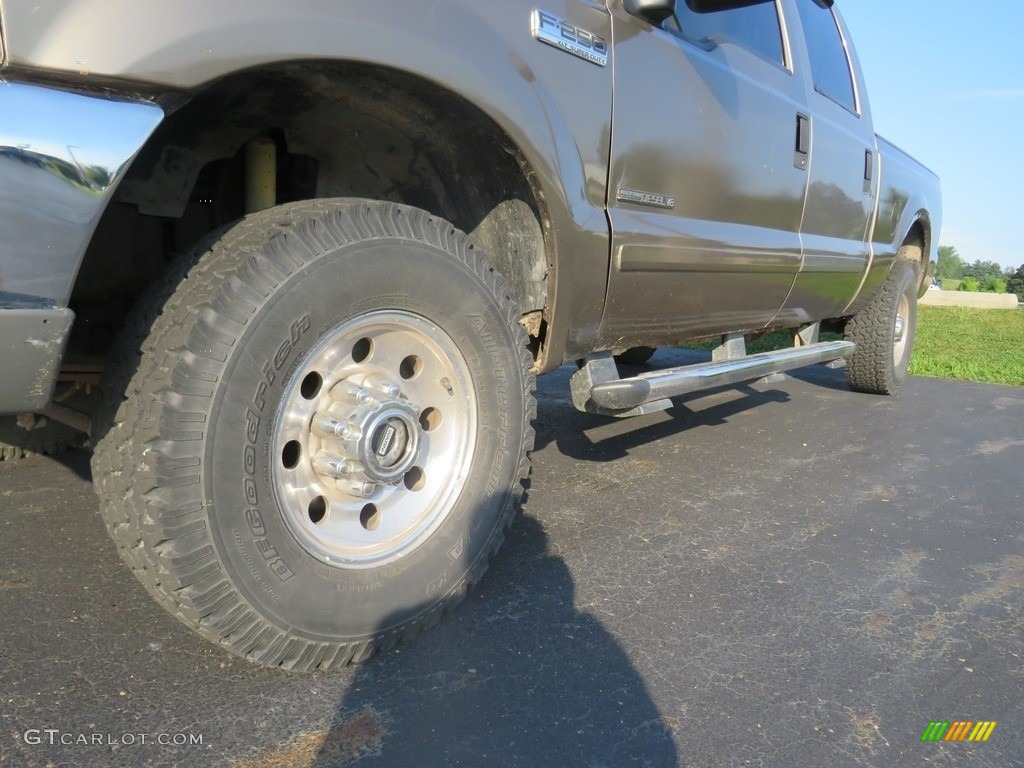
(590, 438)
(518, 676)
(579, 436)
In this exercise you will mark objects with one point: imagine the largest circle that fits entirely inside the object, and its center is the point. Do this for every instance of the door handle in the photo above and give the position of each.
(869, 171)
(802, 150)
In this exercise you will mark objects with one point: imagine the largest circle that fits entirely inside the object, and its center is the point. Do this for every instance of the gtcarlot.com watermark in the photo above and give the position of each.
(57, 737)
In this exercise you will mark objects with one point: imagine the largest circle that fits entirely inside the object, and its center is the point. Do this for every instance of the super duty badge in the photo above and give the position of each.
(552, 30)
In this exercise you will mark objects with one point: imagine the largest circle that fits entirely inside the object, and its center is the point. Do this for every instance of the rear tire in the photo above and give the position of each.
(324, 432)
(38, 434)
(46, 437)
(884, 333)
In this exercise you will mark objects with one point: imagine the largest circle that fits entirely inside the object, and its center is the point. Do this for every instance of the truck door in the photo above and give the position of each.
(844, 169)
(706, 194)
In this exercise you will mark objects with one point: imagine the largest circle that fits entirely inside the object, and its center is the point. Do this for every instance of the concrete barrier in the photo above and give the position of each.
(969, 299)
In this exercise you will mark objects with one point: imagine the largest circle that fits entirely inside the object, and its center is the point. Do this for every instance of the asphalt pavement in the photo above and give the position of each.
(785, 574)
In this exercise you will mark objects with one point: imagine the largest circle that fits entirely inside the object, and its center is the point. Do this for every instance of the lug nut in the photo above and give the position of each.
(362, 397)
(388, 388)
(332, 465)
(363, 489)
(325, 425)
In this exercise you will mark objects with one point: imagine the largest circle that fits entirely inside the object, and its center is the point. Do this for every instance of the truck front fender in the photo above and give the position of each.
(555, 107)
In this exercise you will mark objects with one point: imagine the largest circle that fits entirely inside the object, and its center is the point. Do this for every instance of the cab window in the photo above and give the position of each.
(830, 66)
(755, 28)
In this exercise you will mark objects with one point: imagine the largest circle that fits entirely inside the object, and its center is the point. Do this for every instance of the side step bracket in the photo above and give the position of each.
(596, 387)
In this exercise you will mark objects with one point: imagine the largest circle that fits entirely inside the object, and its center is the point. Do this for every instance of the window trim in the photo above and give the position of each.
(707, 45)
(857, 110)
(787, 48)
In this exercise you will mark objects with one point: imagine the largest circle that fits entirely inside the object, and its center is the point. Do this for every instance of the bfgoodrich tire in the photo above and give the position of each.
(318, 431)
(884, 333)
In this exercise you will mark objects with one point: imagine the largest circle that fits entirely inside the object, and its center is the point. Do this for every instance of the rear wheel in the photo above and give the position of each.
(31, 434)
(325, 434)
(28, 435)
(884, 333)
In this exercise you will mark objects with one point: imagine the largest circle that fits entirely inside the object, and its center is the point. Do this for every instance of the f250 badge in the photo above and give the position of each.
(557, 32)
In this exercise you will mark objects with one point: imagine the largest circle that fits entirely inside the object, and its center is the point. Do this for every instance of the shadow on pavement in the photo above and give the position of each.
(517, 677)
(77, 461)
(574, 432)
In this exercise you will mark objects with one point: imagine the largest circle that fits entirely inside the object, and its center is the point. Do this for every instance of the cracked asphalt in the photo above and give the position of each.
(784, 574)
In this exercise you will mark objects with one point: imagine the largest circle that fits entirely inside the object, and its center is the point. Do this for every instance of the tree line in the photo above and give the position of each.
(986, 276)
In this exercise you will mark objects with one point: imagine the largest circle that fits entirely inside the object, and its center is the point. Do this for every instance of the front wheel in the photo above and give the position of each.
(884, 333)
(325, 434)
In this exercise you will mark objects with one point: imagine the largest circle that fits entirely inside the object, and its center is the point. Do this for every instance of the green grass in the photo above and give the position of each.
(985, 345)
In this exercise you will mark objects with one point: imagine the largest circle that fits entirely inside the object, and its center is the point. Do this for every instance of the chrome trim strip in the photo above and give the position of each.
(787, 48)
(62, 156)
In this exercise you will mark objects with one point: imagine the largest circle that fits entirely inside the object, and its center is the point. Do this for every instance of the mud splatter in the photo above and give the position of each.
(717, 553)
(867, 733)
(1002, 403)
(939, 632)
(935, 635)
(992, 447)
(904, 567)
(1007, 582)
(808, 532)
(878, 493)
(878, 623)
(358, 736)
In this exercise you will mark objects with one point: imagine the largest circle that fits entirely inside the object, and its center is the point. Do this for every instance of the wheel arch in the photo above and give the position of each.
(911, 240)
(341, 129)
(551, 110)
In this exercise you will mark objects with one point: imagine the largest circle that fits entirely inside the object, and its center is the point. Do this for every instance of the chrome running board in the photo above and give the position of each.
(596, 387)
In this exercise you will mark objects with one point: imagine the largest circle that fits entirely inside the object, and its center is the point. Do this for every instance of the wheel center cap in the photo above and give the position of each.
(389, 442)
(901, 326)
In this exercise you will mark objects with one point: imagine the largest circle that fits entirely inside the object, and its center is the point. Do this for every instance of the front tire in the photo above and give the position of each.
(325, 432)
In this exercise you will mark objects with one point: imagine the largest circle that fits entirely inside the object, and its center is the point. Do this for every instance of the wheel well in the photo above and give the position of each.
(340, 130)
(916, 248)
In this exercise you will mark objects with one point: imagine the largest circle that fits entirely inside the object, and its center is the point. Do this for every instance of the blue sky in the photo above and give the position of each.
(946, 83)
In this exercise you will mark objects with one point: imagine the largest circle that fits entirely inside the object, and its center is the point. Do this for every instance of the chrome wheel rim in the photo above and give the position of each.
(901, 329)
(374, 439)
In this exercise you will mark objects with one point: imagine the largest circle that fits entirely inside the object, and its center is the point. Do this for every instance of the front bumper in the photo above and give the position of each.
(62, 156)
(32, 344)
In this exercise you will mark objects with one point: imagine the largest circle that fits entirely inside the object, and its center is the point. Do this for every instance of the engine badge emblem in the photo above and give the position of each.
(646, 198)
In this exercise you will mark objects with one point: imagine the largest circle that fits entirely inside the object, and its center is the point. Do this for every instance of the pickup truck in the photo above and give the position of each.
(294, 267)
